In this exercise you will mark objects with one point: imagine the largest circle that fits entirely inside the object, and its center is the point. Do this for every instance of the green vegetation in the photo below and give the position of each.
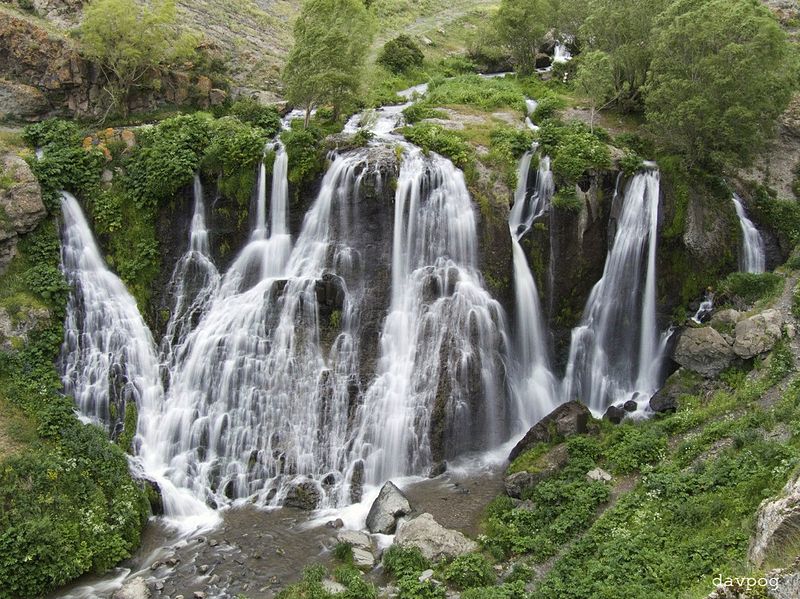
(311, 587)
(696, 107)
(435, 138)
(742, 290)
(469, 571)
(521, 27)
(471, 90)
(595, 80)
(130, 41)
(69, 504)
(401, 54)
(325, 66)
(574, 149)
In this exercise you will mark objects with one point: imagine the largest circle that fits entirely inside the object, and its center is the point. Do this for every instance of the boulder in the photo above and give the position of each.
(363, 558)
(16, 328)
(133, 589)
(571, 418)
(630, 406)
(357, 482)
(598, 475)
(757, 334)
(304, 495)
(390, 505)
(615, 414)
(333, 587)
(704, 351)
(777, 523)
(666, 399)
(355, 539)
(438, 469)
(543, 61)
(434, 540)
(725, 319)
(21, 205)
(545, 466)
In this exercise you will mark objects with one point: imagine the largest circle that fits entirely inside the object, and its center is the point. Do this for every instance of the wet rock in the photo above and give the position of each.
(357, 482)
(199, 595)
(426, 575)
(16, 328)
(133, 589)
(337, 524)
(678, 384)
(598, 475)
(704, 351)
(304, 495)
(571, 418)
(630, 406)
(390, 505)
(614, 414)
(438, 469)
(434, 540)
(543, 61)
(757, 334)
(777, 524)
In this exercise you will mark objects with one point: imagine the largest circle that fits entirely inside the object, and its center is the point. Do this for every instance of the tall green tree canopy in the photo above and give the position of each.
(522, 26)
(127, 39)
(325, 66)
(623, 29)
(721, 74)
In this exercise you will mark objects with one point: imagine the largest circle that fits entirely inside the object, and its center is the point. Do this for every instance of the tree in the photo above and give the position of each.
(595, 80)
(623, 29)
(722, 73)
(400, 54)
(325, 66)
(128, 40)
(522, 26)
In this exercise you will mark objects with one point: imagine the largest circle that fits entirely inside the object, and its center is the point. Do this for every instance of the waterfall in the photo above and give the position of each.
(534, 384)
(752, 257)
(255, 405)
(615, 353)
(438, 390)
(108, 357)
(561, 53)
(192, 285)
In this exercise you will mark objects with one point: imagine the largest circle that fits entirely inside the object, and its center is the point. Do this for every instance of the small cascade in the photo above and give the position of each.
(108, 357)
(255, 405)
(752, 255)
(194, 281)
(534, 384)
(616, 351)
(439, 389)
(561, 53)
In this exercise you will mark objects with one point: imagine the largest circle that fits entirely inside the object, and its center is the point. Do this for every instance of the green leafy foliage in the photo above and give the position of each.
(306, 158)
(469, 571)
(250, 111)
(507, 590)
(742, 289)
(435, 138)
(69, 504)
(472, 90)
(574, 149)
(521, 27)
(400, 54)
(716, 111)
(781, 216)
(401, 561)
(630, 448)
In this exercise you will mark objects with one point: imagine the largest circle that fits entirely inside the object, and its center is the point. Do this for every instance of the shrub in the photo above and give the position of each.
(567, 199)
(411, 588)
(574, 149)
(782, 216)
(400, 54)
(402, 561)
(743, 289)
(546, 109)
(510, 141)
(435, 138)
(508, 590)
(469, 571)
(305, 154)
(472, 90)
(630, 447)
(248, 110)
(419, 111)
(631, 162)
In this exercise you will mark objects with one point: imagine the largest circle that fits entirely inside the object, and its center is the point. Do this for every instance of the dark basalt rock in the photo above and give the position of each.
(303, 495)
(571, 418)
(614, 414)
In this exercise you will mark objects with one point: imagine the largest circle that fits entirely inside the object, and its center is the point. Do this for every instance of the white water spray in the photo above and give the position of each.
(752, 256)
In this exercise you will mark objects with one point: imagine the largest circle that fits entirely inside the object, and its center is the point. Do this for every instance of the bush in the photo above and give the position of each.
(401, 54)
(249, 111)
(306, 158)
(782, 216)
(472, 90)
(402, 561)
(435, 138)
(508, 590)
(567, 199)
(574, 149)
(630, 448)
(420, 111)
(469, 571)
(546, 109)
(742, 289)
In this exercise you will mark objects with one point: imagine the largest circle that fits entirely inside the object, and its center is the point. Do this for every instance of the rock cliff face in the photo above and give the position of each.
(21, 206)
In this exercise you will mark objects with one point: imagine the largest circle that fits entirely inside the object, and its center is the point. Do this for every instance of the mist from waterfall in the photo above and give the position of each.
(752, 254)
(616, 351)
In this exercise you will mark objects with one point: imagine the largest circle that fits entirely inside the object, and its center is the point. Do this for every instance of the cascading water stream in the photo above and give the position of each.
(108, 357)
(616, 351)
(193, 284)
(534, 383)
(442, 343)
(255, 406)
(752, 255)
